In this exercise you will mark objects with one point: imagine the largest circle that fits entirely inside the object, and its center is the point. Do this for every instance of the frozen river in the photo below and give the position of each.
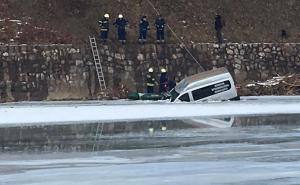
(249, 149)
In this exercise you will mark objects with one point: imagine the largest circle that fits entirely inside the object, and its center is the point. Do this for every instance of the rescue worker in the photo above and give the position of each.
(121, 24)
(2, 91)
(283, 35)
(2, 84)
(104, 27)
(172, 83)
(144, 27)
(150, 81)
(160, 29)
(163, 81)
(218, 28)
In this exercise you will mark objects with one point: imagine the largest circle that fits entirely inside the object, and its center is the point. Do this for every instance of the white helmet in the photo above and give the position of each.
(163, 70)
(106, 15)
(120, 16)
(150, 70)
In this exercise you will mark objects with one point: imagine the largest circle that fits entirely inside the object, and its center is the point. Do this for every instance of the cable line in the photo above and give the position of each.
(176, 36)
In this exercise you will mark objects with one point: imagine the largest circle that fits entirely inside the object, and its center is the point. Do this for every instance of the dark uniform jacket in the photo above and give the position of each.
(218, 23)
(150, 80)
(163, 82)
(104, 24)
(121, 23)
(144, 25)
(160, 24)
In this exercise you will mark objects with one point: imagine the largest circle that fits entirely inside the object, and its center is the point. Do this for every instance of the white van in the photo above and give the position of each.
(213, 85)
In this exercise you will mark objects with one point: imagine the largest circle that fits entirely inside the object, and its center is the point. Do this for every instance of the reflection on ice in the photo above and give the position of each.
(223, 150)
(225, 122)
(148, 134)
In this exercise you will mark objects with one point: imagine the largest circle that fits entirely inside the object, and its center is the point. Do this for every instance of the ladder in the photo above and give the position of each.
(97, 61)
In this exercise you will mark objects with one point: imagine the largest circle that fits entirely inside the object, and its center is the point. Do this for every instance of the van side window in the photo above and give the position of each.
(185, 97)
(199, 94)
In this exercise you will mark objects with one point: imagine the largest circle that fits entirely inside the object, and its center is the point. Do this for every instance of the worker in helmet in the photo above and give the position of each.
(150, 80)
(144, 27)
(160, 29)
(163, 81)
(121, 24)
(104, 27)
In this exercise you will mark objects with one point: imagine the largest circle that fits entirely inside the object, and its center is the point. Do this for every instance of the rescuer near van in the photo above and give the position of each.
(2, 90)
(150, 81)
(144, 27)
(104, 27)
(160, 29)
(121, 24)
(172, 83)
(163, 81)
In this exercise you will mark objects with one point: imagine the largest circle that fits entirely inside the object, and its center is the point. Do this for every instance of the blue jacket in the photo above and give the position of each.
(144, 25)
(121, 23)
(160, 24)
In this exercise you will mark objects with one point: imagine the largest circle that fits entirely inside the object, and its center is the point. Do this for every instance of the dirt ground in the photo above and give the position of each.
(61, 21)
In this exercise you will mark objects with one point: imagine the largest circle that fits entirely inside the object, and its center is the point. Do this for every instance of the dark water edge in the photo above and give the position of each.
(138, 134)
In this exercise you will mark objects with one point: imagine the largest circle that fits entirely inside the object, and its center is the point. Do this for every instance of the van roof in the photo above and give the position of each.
(206, 74)
(198, 77)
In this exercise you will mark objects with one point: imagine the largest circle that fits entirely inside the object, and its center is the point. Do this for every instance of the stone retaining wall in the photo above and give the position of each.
(56, 72)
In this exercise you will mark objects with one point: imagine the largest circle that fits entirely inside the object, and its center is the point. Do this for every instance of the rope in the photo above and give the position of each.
(176, 36)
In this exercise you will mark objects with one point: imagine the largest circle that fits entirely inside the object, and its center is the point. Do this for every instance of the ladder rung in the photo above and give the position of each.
(97, 61)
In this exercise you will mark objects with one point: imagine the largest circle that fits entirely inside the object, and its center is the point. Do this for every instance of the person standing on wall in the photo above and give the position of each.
(218, 28)
(160, 29)
(150, 80)
(104, 27)
(144, 27)
(121, 24)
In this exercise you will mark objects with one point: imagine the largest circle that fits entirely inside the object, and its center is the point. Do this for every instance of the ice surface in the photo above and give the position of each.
(249, 163)
(80, 112)
(263, 155)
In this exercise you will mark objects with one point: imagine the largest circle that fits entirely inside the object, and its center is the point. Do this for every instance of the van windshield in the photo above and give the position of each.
(174, 95)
